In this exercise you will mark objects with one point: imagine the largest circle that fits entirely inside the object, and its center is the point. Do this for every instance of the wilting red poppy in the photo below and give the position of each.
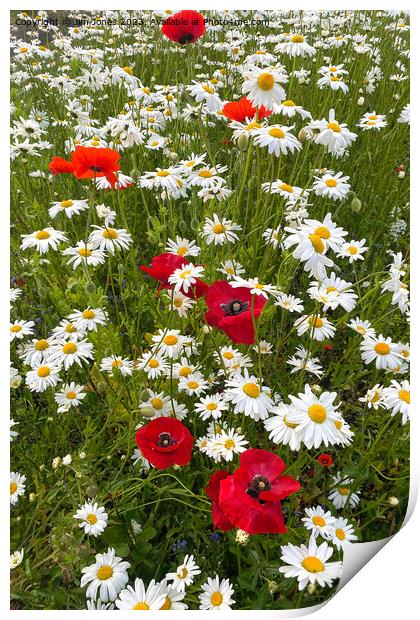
(184, 27)
(213, 491)
(328, 347)
(325, 460)
(88, 162)
(165, 442)
(243, 109)
(250, 498)
(164, 265)
(230, 310)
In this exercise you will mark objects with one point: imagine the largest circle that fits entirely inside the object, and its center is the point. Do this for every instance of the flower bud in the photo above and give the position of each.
(144, 396)
(243, 141)
(92, 490)
(355, 205)
(147, 412)
(102, 387)
(148, 337)
(360, 101)
(393, 501)
(90, 288)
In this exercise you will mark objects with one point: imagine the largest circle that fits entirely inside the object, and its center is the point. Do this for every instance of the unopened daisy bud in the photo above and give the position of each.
(305, 134)
(92, 490)
(82, 456)
(173, 156)
(355, 205)
(242, 537)
(401, 174)
(42, 292)
(144, 396)
(67, 459)
(316, 388)
(78, 475)
(148, 337)
(301, 80)
(206, 329)
(195, 224)
(102, 387)
(324, 33)
(360, 101)
(243, 141)
(32, 497)
(182, 226)
(397, 96)
(147, 412)
(90, 288)
(393, 501)
(272, 587)
(42, 467)
(311, 588)
(56, 462)
(15, 382)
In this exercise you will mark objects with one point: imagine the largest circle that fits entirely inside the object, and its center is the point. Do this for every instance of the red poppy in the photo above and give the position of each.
(230, 310)
(58, 165)
(184, 27)
(213, 491)
(164, 265)
(165, 442)
(250, 498)
(325, 460)
(88, 162)
(243, 109)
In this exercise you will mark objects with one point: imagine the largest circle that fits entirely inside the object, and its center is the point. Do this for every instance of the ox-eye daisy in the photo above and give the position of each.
(84, 254)
(169, 342)
(317, 327)
(309, 564)
(153, 364)
(382, 351)
(17, 486)
(216, 594)
(318, 521)
(182, 279)
(110, 239)
(69, 207)
(219, 231)
(211, 406)
(278, 139)
(353, 250)
(108, 575)
(185, 573)
(341, 495)
(66, 353)
(140, 597)
(42, 376)
(20, 329)
(69, 396)
(249, 396)
(263, 87)
(333, 186)
(117, 362)
(315, 416)
(397, 398)
(88, 319)
(281, 431)
(93, 518)
(43, 240)
(182, 247)
(342, 533)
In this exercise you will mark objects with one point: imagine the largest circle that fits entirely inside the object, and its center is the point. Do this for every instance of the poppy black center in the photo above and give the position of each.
(186, 38)
(165, 440)
(258, 484)
(234, 307)
(95, 168)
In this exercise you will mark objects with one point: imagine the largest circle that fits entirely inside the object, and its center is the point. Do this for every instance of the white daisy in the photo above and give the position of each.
(69, 396)
(141, 597)
(318, 521)
(249, 396)
(216, 594)
(43, 240)
(309, 564)
(93, 518)
(185, 573)
(17, 486)
(108, 575)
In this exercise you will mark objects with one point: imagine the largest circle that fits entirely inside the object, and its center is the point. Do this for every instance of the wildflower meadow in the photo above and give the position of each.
(209, 304)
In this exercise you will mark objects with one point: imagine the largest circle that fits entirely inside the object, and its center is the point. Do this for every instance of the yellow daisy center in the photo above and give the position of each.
(286, 188)
(297, 38)
(318, 521)
(91, 518)
(211, 406)
(218, 229)
(154, 363)
(275, 132)
(228, 355)
(229, 444)
(340, 534)
(317, 243)
(141, 605)
(42, 234)
(185, 371)
(104, 572)
(405, 396)
(313, 564)
(170, 340)
(317, 413)
(193, 385)
(16, 328)
(66, 204)
(289, 424)
(205, 173)
(251, 389)
(289, 103)
(216, 599)
(69, 348)
(13, 488)
(88, 314)
(343, 490)
(71, 395)
(163, 173)
(157, 403)
(41, 345)
(335, 127)
(166, 604)
(110, 233)
(265, 81)
(331, 183)
(208, 89)
(43, 371)
(253, 125)
(382, 348)
(315, 321)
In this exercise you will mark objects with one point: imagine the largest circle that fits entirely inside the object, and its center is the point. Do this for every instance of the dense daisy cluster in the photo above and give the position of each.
(209, 304)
